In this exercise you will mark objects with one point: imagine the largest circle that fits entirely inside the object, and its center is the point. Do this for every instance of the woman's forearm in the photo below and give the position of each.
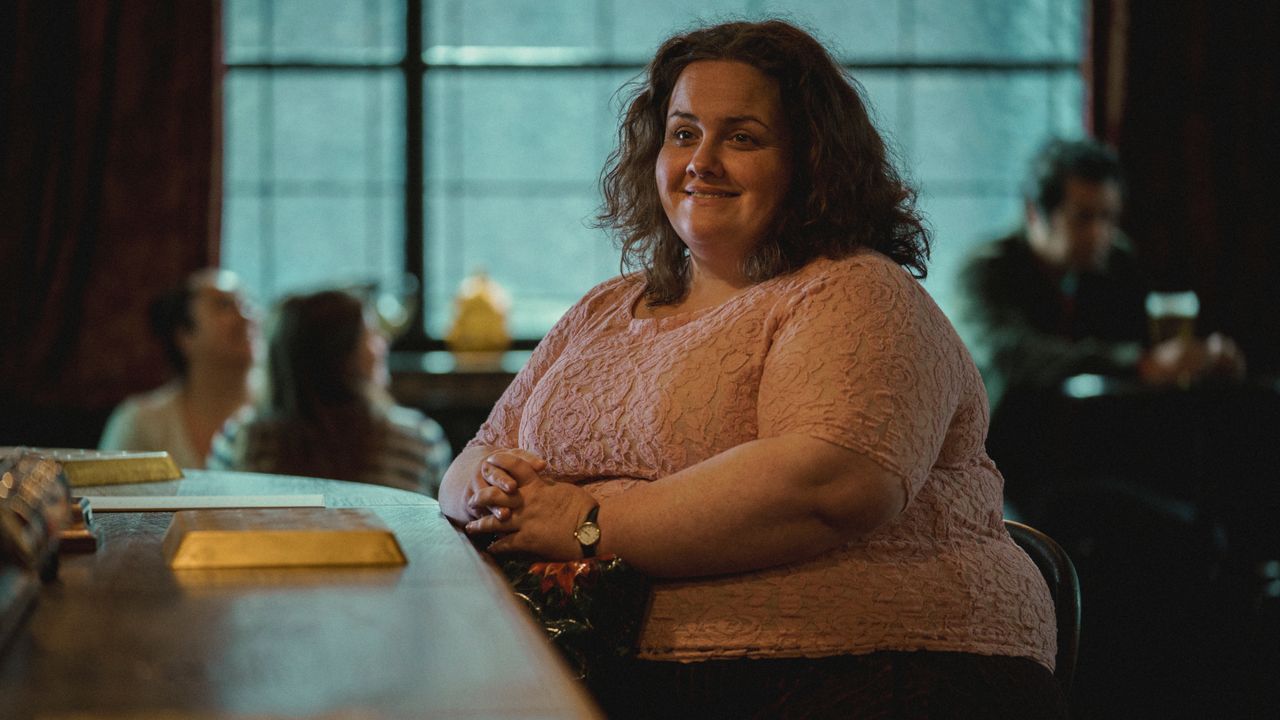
(763, 503)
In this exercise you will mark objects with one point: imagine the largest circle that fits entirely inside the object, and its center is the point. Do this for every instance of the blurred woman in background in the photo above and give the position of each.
(326, 411)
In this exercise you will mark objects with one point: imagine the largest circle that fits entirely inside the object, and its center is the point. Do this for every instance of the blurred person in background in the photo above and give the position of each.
(210, 337)
(325, 411)
(1061, 296)
(1064, 294)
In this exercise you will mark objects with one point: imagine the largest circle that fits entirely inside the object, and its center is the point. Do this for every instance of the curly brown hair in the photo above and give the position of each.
(845, 193)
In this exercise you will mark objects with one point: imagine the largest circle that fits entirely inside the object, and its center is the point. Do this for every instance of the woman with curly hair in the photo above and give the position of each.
(770, 417)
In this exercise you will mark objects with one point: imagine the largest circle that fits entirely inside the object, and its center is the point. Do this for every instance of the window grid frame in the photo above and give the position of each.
(418, 61)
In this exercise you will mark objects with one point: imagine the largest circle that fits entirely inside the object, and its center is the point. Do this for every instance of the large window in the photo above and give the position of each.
(367, 138)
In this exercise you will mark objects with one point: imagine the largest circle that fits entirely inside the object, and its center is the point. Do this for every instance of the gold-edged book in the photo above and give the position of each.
(293, 537)
(110, 467)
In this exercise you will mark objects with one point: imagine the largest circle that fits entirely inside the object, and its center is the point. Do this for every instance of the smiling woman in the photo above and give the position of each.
(724, 168)
(772, 418)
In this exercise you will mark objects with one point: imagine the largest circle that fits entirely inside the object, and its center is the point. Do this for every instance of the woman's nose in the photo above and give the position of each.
(705, 161)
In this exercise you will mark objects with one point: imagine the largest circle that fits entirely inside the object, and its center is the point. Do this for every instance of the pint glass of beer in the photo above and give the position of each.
(1172, 315)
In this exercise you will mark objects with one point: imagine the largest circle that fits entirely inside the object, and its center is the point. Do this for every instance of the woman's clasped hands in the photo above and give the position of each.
(529, 513)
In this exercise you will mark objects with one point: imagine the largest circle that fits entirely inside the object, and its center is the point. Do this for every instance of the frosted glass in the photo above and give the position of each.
(512, 158)
(851, 29)
(1067, 105)
(243, 243)
(323, 240)
(245, 31)
(518, 125)
(1009, 29)
(882, 91)
(518, 23)
(960, 224)
(639, 27)
(242, 97)
(1066, 28)
(338, 126)
(538, 247)
(315, 30)
(977, 127)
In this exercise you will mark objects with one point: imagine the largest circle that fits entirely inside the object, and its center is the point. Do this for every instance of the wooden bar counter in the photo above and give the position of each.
(121, 635)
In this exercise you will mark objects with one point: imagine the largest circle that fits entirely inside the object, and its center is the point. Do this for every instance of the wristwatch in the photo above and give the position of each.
(588, 533)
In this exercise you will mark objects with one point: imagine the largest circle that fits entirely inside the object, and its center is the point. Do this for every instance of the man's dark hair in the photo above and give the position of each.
(1060, 160)
(168, 314)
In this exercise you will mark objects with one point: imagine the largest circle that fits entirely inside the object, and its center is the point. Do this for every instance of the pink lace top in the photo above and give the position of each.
(851, 351)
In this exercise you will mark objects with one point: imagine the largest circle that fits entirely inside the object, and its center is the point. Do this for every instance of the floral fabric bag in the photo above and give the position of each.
(591, 609)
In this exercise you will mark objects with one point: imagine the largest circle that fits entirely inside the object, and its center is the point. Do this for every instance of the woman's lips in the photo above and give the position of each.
(707, 193)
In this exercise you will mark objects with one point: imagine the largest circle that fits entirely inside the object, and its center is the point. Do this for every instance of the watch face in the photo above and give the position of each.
(588, 533)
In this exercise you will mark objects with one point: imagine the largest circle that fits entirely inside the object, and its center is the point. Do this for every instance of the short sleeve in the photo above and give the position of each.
(863, 359)
(121, 431)
(502, 428)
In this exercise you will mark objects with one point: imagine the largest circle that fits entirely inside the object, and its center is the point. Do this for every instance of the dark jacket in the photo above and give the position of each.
(1029, 329)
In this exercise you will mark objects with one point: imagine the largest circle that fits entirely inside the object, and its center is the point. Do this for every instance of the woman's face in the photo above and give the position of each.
(725, 164)
(371, 356)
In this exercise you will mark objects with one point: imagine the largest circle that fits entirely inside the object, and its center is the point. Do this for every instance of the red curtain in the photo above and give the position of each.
(110, 149)
(1187, 92)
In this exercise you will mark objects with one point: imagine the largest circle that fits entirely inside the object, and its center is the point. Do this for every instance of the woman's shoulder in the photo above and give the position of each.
(605, 298)
(855, 272)
(612, 291)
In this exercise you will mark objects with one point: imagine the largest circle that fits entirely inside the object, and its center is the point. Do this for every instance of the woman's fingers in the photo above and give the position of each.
(498, 477)
(493, 501)
(507, 544)
(542, 523)
(535, 461)
(520, 466)
(492, 524)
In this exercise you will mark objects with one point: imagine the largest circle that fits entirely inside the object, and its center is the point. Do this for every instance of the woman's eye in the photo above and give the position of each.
(682, 134)
(743, 139)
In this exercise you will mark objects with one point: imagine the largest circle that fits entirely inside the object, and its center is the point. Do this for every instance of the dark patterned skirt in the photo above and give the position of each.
(888, 685)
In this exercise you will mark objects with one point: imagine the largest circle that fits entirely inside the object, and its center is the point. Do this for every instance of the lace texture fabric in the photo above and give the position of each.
(850, 351)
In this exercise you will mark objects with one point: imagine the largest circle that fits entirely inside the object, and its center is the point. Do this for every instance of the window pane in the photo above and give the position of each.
(519, 23)
(883, 93)
(315, 179)
(977, 127)
(535, 245)
(338, 125)
(244, 240)
(244, 97)
(315, 30)
(852, 29)
(637, 28)
(961, 221)
(327, 239)
(315, 157)
(1010, 29)
(514, 198)
(532, 126)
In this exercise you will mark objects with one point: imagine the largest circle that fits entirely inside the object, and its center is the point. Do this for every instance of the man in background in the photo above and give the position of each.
(1064, 295)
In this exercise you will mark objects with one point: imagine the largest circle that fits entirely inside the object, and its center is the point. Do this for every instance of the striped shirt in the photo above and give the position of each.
(412, 455)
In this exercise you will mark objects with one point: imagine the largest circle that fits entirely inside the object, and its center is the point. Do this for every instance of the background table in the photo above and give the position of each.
(122, 635)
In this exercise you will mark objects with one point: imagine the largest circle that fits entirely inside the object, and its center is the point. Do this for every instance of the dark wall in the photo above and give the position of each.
(1187, 91)
(110, 152)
